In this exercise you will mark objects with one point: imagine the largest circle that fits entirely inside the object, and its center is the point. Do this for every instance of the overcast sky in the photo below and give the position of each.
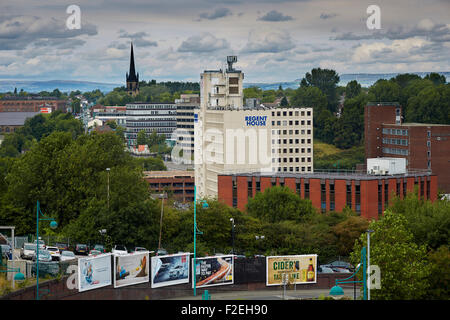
(275, 40)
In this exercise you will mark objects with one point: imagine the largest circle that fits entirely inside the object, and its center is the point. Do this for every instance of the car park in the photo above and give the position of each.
(54, 252)
(44, 256)
(62, 246)
(99, 247)
(27, 251)
(81, 249)
(94, 252)
(67, 255)
(119, 249)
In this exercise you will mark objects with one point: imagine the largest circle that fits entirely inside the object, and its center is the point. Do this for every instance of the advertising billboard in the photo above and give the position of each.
(131, 269)
(300, 269)
(170, 270)
(94, 272)
(214, 271)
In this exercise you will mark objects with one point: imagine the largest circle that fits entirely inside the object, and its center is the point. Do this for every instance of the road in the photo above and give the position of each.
(276, 294)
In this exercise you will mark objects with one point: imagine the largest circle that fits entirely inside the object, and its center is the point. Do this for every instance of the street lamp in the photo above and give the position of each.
(53, 225)
(368, 260)
(196, 231)
(108, 169)
(232, 235)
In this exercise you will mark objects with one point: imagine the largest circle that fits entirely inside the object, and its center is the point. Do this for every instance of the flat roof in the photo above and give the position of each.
(15, 118)
(415, 124)
(169, 174)
(335, 175)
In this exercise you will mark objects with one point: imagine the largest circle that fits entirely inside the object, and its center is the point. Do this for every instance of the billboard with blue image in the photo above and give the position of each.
(170, 270)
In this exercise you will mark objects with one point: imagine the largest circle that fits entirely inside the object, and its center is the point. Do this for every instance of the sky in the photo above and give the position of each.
(175, 40)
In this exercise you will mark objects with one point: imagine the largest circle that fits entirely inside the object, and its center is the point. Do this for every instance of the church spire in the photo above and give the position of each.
(132, 78)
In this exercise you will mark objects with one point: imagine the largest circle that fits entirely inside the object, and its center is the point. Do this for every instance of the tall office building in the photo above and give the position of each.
(184, 137)
(230, 138)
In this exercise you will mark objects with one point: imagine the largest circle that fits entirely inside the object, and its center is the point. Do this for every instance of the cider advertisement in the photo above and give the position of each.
(298, 269)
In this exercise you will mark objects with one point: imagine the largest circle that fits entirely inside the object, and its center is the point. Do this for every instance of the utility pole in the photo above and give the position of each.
(108, 169)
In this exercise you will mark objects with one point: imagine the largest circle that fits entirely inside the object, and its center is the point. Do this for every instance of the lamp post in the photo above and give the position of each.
(368, 261)
(53, 225)
(108, 169)
(232, 235)
(160, 221)
(196, 231)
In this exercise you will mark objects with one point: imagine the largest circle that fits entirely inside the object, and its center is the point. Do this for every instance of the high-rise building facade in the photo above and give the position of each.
(423, 145)
(230, 138)
(186, 106)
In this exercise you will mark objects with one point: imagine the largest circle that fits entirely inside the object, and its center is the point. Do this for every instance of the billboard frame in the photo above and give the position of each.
(128, 255)
(216, 284)
(93, 258)
(291, 256)
(155, 285)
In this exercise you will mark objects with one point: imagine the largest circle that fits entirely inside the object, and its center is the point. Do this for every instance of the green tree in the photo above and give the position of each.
(326, 80)
(278, 203)
(436, 78)
(352, 89)
(403, 264)
(439, 277)
(142, 138)
(384, 91)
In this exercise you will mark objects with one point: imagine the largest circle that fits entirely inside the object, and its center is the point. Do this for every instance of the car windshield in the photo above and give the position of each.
(81, 246)
(68, 253)
(98, 247)
(52, 249)
(29, 247)
(41, 242)
(122, 248)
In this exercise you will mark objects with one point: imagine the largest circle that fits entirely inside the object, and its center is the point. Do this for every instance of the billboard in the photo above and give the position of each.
(94, 272)
(131, 269)
(214, 271)
(299, 269)
(170, 270)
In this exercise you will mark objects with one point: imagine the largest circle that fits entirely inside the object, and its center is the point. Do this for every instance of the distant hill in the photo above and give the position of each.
(62, 85)
(365, 79)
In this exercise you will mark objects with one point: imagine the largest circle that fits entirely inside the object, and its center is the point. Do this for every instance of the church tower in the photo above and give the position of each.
(132, 78)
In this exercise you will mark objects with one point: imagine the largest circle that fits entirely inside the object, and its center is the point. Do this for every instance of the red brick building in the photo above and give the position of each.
(368, 195)
(178, 184)
(31, 104)
(425, 146)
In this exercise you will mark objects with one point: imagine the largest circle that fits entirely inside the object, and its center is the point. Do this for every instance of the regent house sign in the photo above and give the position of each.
(299, 269)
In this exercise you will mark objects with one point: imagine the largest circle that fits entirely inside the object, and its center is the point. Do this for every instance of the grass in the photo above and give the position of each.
(327, 156)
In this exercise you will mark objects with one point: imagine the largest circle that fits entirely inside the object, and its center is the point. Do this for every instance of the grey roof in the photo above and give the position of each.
(15, 118)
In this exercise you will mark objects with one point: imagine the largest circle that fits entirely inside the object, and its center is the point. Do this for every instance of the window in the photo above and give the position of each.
(332, 197)
(284, 113)
(234, 194)
(386, 194)
(358, 199)
(323, 196)
(349, 195)
(250, 189)
(298, 186)
(290, 113)
(306, 187)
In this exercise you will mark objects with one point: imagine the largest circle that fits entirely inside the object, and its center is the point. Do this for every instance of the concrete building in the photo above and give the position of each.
(367, 195)
(186, 106)
(423, 145)
(178, 184)
(159, 117)
(230, 138)
(106, 113)
(31, 104)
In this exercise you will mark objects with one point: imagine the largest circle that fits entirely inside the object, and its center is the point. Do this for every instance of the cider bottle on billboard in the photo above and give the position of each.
(310, 274)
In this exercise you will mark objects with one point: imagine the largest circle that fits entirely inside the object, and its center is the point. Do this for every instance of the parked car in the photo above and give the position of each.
(176, 272)
(62, 246)
(94, 252)
(341, 264)
(44, 256)
(54, 252)
(324, 269)
(119, 249)
(27, 251)
(340, 270)
(81, 249)
(99, 247)
(6, 251)
(41, 243)
(67, 256)
(138, 249)
(161, 252)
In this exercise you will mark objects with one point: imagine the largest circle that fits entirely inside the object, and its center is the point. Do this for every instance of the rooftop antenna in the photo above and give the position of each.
(230, 61)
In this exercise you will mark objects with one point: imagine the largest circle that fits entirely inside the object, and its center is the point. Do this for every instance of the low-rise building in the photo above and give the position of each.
(31, 104)
(10, 121)
(179, 185)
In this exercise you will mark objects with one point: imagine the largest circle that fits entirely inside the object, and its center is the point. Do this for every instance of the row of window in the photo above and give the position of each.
(293, 169)
(291, 141)
(292, 150)
(291, 132)
(403, 152)
(151, 106)
(284, 123)
(398, 132)
(291, 113)
(151, 113)
(400, 142)
(152, 124)
(304, 159)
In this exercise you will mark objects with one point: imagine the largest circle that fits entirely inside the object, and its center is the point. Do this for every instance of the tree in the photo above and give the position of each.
(326, 80)
(403, 264)
(436, 78)
(405, 79)
(284, 102)
(278, 203)
(310, 97)
(347, 232)
(384, 91)
(430, 105)
(142, 138)
(439, 278)
(352, 89)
